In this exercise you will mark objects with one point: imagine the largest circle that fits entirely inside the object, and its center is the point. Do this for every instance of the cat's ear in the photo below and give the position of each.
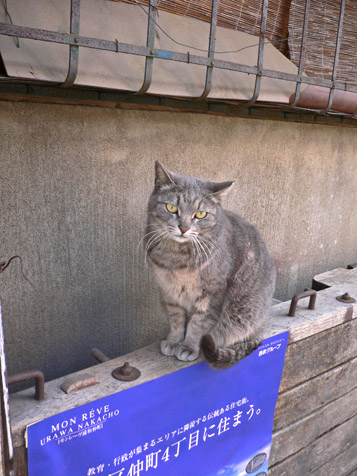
(220, 189)
(162, 176)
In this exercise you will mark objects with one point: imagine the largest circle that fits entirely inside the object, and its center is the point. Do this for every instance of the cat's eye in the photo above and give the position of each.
(201, 215)
(171, 208)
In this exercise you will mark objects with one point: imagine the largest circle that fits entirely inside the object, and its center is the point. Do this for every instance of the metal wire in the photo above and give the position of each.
(206, 50)
(5, 264)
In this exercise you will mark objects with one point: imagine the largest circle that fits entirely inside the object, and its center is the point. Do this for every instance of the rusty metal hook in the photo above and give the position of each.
(297, 297)
(29, 375)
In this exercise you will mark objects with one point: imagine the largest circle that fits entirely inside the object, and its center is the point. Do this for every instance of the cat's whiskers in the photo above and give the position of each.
(153, 239)
(150, 233)
(194, 248)
(201, 250)
(213, 248)
(205, 251)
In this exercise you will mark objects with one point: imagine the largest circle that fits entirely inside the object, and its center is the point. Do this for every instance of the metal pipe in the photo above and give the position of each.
(73, 49)
(335, 62)
(99, 355)
(211, 47)
(258, 78)
(302, 54)
(4, 404)
(150, 41)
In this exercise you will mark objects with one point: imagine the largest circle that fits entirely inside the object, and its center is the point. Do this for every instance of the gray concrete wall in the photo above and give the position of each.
(74, 186)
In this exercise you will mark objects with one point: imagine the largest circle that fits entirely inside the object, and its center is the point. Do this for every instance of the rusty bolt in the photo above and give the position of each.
(126, 372)
(346, 298)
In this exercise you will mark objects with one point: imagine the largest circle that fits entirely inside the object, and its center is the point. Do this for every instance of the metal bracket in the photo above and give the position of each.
(258, 77)
(73, 50)
(211, 47)
(335, 62)
(29, 375)
(297, 297)
(150, 43)
(302, 54)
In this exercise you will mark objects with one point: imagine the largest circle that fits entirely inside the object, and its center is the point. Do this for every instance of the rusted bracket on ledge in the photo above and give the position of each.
(297, 297)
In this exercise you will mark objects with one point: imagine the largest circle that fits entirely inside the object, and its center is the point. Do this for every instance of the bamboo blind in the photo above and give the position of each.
(242, 15)
(321, 38)
(284, 28)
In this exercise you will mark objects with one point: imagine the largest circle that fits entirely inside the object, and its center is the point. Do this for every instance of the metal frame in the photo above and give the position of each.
(75, 41)
(150, 44)
(337, 52)
(73, 49)
(302, 54)
(211, 47)
(258, 77)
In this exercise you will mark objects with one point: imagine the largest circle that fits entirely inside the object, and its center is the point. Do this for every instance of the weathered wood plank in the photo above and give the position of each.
(319, 453)
(307, 397)
(304, 360)
(20, 461)
(329, 313)
(297, 436)
(344, 464)
(338, 276)
(25, 410)
(317, 354)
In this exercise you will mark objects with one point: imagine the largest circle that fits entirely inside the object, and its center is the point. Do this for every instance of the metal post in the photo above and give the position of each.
(258, 77)
(150, 41)
(211, 47)
(335, 62)
(302, 54)
(5, 412)
(73, 50)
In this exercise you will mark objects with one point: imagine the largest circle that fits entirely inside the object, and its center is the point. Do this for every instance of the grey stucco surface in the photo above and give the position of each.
(74, 186)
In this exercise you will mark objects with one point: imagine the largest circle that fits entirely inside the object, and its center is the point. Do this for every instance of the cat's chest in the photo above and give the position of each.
(182, 286)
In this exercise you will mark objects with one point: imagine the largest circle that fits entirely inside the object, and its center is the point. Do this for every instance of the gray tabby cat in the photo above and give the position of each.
(215, 274)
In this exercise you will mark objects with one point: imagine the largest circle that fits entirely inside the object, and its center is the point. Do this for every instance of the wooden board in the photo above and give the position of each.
(307, 397)
(344, 464)
(305, 359)
(307, 430)
(319, 453)
(338, 276)
(313, 356)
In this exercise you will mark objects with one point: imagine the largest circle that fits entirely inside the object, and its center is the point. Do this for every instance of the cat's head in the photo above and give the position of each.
(184, 208)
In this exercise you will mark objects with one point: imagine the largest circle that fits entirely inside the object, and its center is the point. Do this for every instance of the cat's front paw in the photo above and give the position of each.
(185, 353)
(168, 348)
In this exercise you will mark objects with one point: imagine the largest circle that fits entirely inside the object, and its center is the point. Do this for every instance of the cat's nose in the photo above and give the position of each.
(183, 229)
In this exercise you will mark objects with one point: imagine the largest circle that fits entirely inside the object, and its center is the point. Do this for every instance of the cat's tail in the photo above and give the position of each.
(224, 357)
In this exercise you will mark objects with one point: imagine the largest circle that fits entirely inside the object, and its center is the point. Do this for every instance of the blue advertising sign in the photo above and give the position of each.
(193, 422)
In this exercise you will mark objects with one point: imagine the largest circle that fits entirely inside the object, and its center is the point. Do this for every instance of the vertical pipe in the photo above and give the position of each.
(5, 412)
(73, 50)
(211, 48)
(150, 40)
(335, 62)
(258, 77)
(302, 54)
